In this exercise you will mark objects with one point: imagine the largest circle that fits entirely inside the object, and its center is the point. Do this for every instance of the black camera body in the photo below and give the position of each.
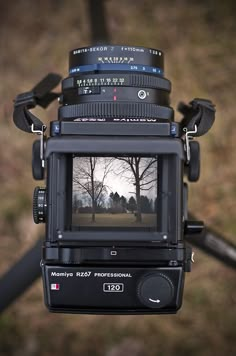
(114, 269)
(115, 202)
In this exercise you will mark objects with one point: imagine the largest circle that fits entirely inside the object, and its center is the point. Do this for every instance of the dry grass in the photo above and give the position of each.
(198, 38)
(113, 220)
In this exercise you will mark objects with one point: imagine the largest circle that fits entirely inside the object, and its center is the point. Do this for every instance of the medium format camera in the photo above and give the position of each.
(115, 202)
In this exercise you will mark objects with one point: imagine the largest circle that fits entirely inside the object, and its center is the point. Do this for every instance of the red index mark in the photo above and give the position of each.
(114, 96)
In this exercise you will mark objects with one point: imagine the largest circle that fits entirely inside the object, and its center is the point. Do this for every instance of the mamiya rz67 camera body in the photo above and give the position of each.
(115, 202)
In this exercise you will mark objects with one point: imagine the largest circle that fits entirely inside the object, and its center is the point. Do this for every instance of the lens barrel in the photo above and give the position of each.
(110, 82)
(116, 58)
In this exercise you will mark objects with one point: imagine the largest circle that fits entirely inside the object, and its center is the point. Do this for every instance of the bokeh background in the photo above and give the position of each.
(198, 38)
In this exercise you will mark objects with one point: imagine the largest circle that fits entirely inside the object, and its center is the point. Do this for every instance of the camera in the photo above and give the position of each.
(116, 164)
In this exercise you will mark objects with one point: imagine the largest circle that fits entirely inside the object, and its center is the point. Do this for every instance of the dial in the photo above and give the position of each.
(155, 290)
(39, 205)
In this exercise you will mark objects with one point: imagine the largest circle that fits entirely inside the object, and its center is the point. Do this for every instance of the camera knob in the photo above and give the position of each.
(39, 205)
(155, 290)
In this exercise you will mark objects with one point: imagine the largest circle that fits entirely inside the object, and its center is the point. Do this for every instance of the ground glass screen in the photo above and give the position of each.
(115, 192)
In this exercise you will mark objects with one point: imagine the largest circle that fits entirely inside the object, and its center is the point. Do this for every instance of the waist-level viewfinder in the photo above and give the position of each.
(115, 201)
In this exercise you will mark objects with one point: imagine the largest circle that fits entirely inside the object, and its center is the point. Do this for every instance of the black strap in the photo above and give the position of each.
(40, 95)
(200, 113)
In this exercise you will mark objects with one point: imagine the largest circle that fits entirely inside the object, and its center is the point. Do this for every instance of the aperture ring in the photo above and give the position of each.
(129, 80)
(115, 110)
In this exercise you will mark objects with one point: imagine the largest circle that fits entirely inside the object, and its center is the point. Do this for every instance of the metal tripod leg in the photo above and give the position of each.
(20, 277)
(98, 23)
(215, 245)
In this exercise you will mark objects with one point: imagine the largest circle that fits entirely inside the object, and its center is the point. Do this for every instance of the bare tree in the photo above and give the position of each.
(85, 175)
(142, 173)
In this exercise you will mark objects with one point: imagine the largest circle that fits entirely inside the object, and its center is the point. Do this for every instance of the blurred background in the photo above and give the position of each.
(198, 39)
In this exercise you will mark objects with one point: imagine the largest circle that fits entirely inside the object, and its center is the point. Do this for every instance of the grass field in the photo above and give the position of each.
(198, 40)
(128, 220)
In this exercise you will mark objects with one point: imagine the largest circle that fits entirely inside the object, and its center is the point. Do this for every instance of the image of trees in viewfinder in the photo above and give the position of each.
(119, 191)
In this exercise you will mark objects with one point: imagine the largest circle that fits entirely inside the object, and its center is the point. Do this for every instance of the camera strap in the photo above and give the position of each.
(41, 95)
(199, 116)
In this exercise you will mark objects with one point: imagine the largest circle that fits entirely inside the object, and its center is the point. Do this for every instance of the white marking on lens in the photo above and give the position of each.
(142, 94)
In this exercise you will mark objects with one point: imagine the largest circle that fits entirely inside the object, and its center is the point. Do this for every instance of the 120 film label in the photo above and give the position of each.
(113, 287)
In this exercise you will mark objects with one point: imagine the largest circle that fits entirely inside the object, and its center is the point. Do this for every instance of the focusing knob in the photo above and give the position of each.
(37, 169)
(39, 205)
(155, 290)
(194, 164)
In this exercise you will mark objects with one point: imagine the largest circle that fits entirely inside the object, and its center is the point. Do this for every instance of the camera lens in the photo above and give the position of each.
(116, 82)
(116, 58)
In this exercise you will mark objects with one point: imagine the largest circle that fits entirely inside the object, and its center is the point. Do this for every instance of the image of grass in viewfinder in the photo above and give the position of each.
(114, 220)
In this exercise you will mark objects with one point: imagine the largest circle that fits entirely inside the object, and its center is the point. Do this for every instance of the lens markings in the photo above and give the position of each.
(116, 67)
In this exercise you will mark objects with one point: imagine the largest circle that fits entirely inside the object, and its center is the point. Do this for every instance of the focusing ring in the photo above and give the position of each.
(129, 80)
(115, 110)
(109, 94)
